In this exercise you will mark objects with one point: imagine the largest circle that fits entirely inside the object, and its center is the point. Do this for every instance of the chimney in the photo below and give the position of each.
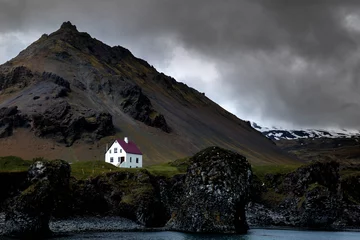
(126, 139)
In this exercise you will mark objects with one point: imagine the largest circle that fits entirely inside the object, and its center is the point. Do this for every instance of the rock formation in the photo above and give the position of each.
(210, 197)
(28, 214)
(139, 106)
(216, 191)
(65, 124)
(313, 196)
(132, 195)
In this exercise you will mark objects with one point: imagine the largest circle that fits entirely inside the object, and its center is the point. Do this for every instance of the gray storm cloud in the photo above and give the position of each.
(279, 62)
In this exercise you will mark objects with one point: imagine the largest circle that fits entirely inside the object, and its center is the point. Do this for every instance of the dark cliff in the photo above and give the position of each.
(317, 196)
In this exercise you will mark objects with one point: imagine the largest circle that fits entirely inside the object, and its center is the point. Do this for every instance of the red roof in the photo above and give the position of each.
(129, 147)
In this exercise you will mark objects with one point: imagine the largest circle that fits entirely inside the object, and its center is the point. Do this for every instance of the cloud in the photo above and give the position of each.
(279, 62)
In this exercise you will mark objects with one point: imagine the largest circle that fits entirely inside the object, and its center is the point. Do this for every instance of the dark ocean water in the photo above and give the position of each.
(255, 234)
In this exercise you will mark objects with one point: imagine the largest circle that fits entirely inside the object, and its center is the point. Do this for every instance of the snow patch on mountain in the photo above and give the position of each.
(277, 133)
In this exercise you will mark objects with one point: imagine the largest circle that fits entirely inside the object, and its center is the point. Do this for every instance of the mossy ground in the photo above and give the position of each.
(14, 164)
(86, 169)
(169, 169)
(262, 170)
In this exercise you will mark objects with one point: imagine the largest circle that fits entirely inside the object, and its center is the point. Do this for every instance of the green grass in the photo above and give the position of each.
(163, 169)
(169, 169)
(271, 197)
(14, 164)
(261, 171)
(86, 169)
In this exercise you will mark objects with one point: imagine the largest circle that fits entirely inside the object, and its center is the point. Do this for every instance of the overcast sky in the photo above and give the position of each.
(279, 62)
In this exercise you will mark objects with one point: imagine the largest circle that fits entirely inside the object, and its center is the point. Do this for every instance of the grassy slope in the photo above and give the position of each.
(86, 169)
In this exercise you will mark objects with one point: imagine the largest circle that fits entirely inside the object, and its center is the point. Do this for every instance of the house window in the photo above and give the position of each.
(110, 151)
(137, 160)
(119, 159)
(115, 150)
(130, 159)
(111, 159)
(120, 150)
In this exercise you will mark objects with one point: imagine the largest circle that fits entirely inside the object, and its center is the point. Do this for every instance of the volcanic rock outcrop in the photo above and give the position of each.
(216, 190)
(28, 214)
(313, 196)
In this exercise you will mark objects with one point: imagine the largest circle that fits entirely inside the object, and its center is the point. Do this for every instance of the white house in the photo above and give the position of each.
(124, 154)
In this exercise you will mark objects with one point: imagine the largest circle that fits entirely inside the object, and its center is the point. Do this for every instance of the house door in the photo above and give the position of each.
(122, 160)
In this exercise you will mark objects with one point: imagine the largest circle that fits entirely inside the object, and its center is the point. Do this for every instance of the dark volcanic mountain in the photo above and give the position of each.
(67, 95)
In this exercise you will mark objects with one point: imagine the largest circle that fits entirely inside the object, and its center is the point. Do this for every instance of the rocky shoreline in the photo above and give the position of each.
(209, 198)
(315, 196)
(119, 224)
(218, 194)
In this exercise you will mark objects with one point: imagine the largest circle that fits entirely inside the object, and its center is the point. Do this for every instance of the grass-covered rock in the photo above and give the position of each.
(310, 196)
(130, 193)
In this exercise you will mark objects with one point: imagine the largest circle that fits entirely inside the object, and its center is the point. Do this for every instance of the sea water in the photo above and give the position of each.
(254, 234)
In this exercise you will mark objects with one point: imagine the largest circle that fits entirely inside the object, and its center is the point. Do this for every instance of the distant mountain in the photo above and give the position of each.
(279, 133)
(67, 95)
(310, 144)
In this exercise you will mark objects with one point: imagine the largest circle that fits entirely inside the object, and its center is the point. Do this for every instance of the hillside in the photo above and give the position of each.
(67, 95)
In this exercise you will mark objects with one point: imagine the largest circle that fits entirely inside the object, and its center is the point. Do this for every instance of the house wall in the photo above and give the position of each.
(115, 155)
(121, 153)
(131, 160)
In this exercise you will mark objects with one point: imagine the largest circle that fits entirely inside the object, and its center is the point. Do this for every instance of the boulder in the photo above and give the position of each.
(216, 190)
(28, 214)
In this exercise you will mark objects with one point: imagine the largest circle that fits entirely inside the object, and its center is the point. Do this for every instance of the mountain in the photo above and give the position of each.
(310, 144)
(68, 95)
(280, 133)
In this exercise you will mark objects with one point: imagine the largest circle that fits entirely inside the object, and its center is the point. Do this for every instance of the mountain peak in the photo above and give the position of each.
(68, 26)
